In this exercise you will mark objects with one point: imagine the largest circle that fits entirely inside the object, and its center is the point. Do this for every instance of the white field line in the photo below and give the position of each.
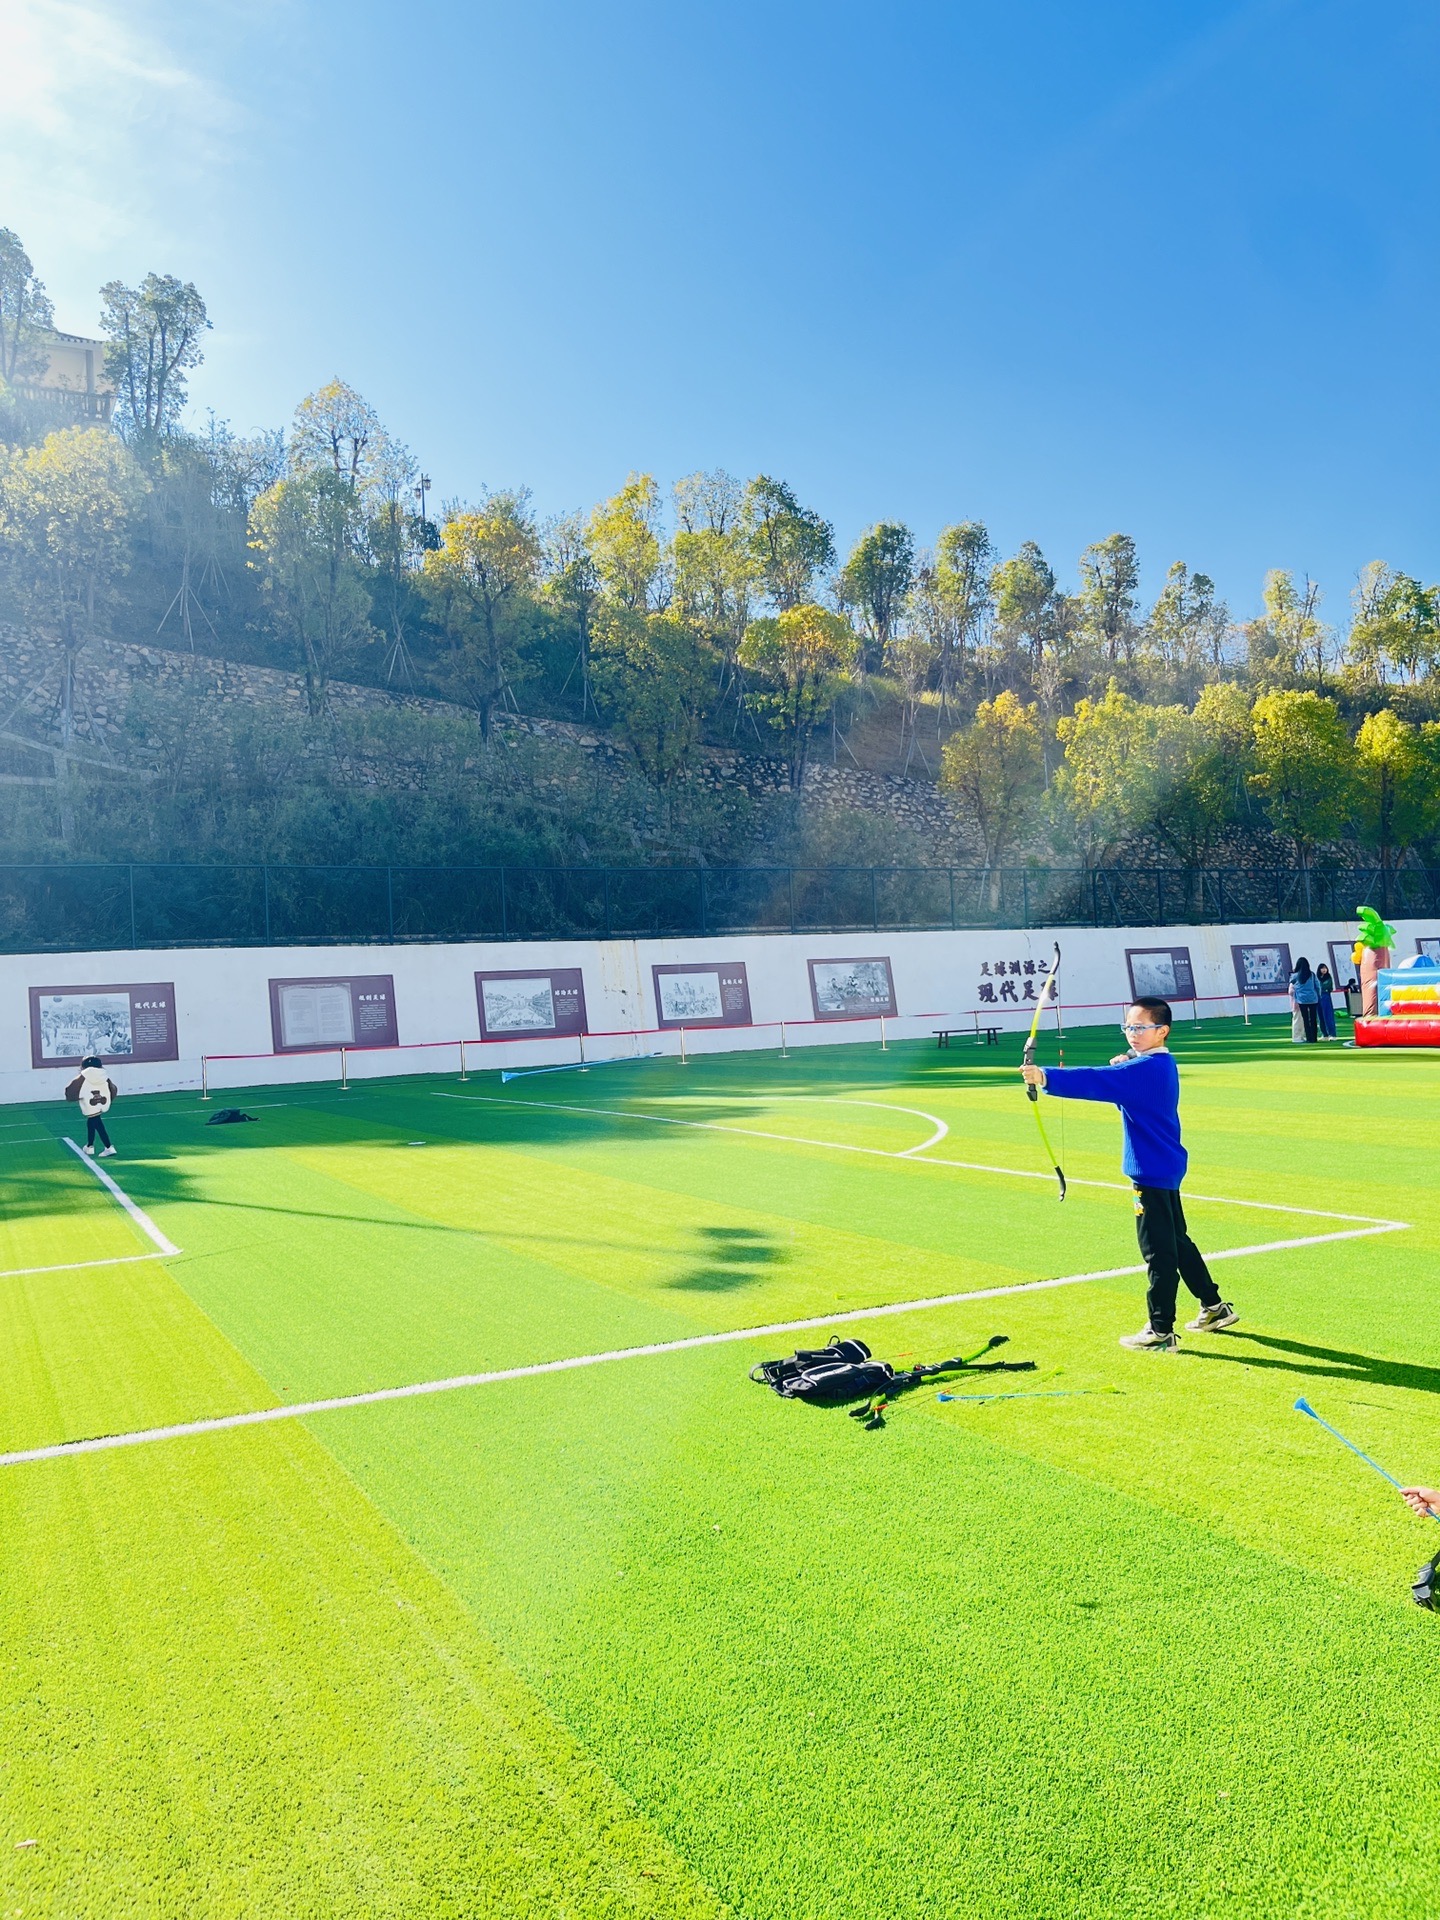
(75, 1266)
(142, 1219)
(302, 1409)
(910, 1153)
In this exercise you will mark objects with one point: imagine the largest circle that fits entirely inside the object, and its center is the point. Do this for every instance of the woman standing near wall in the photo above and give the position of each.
(1326, 1004)
(1305, 1000)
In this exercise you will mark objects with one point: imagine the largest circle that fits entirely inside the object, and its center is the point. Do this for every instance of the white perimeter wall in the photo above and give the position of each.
(223, 1004)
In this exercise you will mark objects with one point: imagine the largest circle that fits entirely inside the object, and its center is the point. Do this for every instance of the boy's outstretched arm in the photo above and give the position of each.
(1079, 1083)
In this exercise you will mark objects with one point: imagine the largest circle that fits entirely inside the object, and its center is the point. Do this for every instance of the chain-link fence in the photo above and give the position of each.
(81, 908)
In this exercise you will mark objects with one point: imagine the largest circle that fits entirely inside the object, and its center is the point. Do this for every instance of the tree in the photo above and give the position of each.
(911, 658)
(995, 768)
(654, 672)
(337, 427)
(1397, 625)
(788, 543)
(877, 579)
(1109, 579)
(573, 584)
(1185, 632)
(1397, 797)
(624, 538)
(1290, 639)
(1024, 592)
(66, 512)
(155, 333)
(26, 315)
(952, 599)
(807, 655)
(305, 530)
(479, 580)
(1304, 767)
(1119, 754)
(714, 569)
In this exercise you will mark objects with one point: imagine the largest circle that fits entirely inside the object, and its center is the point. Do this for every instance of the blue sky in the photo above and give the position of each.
(1164, 268)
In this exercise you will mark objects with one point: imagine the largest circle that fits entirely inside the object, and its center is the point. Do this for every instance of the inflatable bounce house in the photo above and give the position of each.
(1401, 1005)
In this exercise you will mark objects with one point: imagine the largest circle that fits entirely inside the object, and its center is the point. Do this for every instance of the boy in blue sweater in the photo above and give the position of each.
(1145, 1085)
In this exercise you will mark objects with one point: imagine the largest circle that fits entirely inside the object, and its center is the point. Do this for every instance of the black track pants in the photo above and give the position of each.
(95, 1130)
(1170, 1255)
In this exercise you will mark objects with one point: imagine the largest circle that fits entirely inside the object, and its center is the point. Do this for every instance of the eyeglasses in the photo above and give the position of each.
(1140, 1026)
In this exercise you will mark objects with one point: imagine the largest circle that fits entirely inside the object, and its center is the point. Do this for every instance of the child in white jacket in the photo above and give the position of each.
(94, 1092)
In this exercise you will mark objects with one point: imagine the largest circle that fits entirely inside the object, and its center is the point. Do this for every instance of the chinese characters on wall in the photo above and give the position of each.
(1011, 983)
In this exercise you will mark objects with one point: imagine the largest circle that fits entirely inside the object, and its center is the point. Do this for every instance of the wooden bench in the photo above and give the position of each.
(984, 1036)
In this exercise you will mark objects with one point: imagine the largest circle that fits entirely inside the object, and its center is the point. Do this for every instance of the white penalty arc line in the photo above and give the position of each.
(1371, 1221)
(138, 1214)
(225, 1423)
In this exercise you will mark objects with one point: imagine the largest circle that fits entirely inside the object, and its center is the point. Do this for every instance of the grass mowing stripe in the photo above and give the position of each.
(338, 1403)
(911, 1153)
(138, 1214)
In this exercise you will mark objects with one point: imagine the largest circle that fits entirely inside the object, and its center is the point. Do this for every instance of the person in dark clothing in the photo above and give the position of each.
(1325, 980)
(1145, 1085)
(94, 1091)
(1305, 998)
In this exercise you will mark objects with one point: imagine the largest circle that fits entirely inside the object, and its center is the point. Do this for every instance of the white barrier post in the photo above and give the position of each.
(783, 1054)
(583, 1067)
(1245, 1003)
(683, 1060)
(463, 1074)
(882, 1033)
(344, 1083)
(204, 1077)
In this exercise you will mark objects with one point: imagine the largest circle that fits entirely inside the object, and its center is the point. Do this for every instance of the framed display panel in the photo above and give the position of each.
(851, 989)
(313, 1016)
(1262, 969)
(1427, 944)
(531, 1003)
(119, 1023)
(1341, 965)
(1161, 970)
(713, 994)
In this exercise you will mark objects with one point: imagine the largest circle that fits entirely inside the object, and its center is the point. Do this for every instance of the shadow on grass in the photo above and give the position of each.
(1359, 1369)
(732, 1257)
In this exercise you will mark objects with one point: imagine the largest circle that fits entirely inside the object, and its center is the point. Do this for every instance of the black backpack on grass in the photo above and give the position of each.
(845, 1370)
(827, 1376)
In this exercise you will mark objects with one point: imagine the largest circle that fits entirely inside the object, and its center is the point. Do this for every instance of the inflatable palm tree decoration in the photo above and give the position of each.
(1371, 953)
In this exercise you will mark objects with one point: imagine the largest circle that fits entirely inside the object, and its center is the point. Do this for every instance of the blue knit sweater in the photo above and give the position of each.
(1147, 1092)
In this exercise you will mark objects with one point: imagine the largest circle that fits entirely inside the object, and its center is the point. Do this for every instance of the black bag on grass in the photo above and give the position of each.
(826, 1376)
(228, 1117)
(845, 1370)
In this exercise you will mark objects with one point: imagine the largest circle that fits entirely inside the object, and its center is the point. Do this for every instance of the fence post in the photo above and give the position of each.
(605, 882)
(132, 903)
(265, 883)
(874, 904)
(704, 902)
(504, 909)
(390, 900)
(951, 872)
(790, 882)
(1025, 892)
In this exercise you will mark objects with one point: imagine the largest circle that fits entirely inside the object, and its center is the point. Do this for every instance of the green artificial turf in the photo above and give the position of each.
(643, 1639)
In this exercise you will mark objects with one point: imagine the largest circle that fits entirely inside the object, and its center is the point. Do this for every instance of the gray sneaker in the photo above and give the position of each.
(1148, 1341)
(1211, 1319)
